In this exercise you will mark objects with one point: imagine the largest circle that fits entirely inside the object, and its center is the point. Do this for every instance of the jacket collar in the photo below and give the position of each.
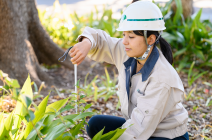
(148, 66)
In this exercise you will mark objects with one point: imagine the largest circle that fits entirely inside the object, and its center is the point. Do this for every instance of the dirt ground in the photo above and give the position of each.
(198, 95)
(64, 78)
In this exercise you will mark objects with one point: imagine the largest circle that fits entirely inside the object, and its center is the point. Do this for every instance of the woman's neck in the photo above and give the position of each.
(140, 63)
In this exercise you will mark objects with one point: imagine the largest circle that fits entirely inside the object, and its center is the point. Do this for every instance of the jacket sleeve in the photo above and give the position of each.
(104, 48)
(148, 113)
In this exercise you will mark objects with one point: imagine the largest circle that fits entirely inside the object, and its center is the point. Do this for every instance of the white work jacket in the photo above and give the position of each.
(150, 99)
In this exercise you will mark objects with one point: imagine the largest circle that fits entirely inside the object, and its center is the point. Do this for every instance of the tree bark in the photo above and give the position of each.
(24, 43)
(187, 7)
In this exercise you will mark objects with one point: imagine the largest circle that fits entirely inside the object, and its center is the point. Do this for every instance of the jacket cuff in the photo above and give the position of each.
(79, 39)
(88, 35)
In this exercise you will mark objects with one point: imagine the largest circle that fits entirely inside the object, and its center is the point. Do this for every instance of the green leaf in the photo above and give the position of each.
(15, 84)
(1, 73)
(32, 135)
(14, 131)
(82, 96)
(178, 13)
(38, 115)
(210, 103)
(82, 101)
(27, 100)
(49, 119)
(67, 107)
(76, 16)
(81, 107)
(3, 131)
(107, 76)
(118, 134)
(168, 15)
(29, 117)
(118, 105)
(169, 37)
(180, 37)
(8, 81)
(190, 72)
(57, 131)
(77, 129)
(81, 115)
(108, 135)
(199, 75)
(180, 52)
(20, 109)
(199, 54)
(50, 124)
(6, 126)
(208, 84)
(198, 47)
(78, 83)
(109, 28)
(98, 135)
(4, 89)
(35, 87)
(88, 106)
(197, 16)
(9, 122)
(187, 32)
(66, 134)
(54, 107)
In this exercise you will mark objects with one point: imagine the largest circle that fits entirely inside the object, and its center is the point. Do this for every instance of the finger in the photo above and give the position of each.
(80, 62)
(76, 56)
(79, 59)
(74, 53)
(72, 49)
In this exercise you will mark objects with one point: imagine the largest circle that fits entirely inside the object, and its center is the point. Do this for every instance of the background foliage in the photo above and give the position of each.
(191, 38)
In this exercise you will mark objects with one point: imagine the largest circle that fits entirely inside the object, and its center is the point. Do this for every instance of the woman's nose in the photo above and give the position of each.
(125, 41)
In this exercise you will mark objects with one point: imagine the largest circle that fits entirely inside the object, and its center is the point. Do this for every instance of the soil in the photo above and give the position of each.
(64, 78)
(200, 115)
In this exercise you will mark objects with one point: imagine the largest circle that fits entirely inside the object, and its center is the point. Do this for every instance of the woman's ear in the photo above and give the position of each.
(151, 39)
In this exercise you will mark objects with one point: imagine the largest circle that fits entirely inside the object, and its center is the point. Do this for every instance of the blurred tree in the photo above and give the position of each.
(24, 43)
(187, 7)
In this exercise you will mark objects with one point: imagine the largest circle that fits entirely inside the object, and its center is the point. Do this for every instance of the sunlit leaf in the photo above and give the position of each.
(98, 135)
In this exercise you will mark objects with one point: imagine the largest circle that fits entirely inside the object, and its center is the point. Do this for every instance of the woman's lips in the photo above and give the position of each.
(127, 49)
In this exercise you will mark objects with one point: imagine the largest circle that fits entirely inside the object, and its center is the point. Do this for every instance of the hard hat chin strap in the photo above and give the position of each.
(148, 46)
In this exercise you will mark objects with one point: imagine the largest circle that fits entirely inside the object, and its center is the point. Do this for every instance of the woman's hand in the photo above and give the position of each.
(80, 51)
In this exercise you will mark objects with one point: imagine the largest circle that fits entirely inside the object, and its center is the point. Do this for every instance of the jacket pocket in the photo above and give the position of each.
(142, 117)
(147, 109)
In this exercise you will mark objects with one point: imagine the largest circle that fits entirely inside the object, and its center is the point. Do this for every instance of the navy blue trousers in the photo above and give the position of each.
(98, 122)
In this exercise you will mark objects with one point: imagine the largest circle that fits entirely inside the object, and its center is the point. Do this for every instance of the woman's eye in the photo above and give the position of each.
(131, 37)
(123, 34)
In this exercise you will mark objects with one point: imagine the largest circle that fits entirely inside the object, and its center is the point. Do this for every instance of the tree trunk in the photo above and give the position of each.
(187, 7)
(24, 43)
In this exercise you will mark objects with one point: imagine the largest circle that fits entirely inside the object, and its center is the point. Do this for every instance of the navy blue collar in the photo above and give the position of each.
(148, 66)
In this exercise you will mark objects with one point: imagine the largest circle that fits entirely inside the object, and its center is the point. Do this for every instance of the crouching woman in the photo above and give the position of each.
(150, 90)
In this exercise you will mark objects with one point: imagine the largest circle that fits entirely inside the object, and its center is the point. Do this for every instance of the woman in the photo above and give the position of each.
(150, 90)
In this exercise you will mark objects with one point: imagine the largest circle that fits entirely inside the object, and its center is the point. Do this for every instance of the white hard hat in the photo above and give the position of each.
(142, 15)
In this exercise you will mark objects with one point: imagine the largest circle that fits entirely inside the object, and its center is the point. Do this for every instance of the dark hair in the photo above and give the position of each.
(134, 1)
(164, 45)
